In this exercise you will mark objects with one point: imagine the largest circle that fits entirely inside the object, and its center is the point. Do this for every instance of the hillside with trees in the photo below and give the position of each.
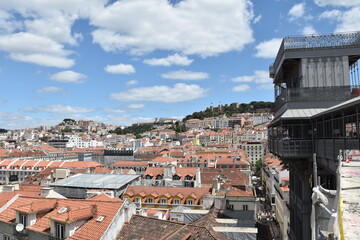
(251, 107)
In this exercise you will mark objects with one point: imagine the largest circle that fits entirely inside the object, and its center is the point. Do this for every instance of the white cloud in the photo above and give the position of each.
(68, 77)
(330, 15)
(175, 59)
(131, 82)
(114, 110)
(135, 106)
(268, 49)
(309, 30)
(241, 88)
(297, 11)
(35, 49)
(349, 20)
(58, 108)
(3, 101)
(37, 31)
(257, 19)
(340, 3)
(185, 75)
(259, 76)
(203, 27)
(49, 90)
(266, 86)
(179, 93)
(120, 69)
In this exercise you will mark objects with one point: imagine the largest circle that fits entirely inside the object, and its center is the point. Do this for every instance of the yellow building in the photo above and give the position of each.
(166, 197)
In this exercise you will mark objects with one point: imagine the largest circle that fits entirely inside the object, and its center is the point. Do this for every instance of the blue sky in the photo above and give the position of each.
(129, 61)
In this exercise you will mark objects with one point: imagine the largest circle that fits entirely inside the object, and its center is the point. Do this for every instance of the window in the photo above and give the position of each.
(23, 218)
(60, 231)
(190, 202)
(150, 200)
(163, 200)
(176, 177)
(176, 201)
(6, 237)
(245, 207)
(137, 199)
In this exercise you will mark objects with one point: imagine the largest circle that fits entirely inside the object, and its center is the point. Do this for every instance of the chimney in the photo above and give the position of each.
(45, 191)
(9, 188)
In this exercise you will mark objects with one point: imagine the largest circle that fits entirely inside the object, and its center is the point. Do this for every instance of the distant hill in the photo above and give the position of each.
(229, 109)
(3, 130)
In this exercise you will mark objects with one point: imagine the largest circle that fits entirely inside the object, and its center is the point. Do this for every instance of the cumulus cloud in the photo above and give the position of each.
(259, 76)
(185, 75)
(330, 15)
(27, 47)
(135, 106)
(257, 19)
(120, 69)
(203, 27)
(175, 59)
(49, 90)
(131, 82)
(68, 77)
(297, 11)
(58, 108)
(349, 20)
(268, 49)
(308, 30)
(241, 88)
(339, 3)
(37, 31)
(179, 93)
(266, 86)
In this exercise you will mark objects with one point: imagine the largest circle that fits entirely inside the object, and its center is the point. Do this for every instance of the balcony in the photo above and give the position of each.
(313, 42)
(315, 94)
(299, 148)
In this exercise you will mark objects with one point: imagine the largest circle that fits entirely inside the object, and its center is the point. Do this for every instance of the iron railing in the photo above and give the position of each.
(315, 94)
(310, 42)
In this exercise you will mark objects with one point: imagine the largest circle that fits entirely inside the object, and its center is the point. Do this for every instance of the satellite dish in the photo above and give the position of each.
(19, 227)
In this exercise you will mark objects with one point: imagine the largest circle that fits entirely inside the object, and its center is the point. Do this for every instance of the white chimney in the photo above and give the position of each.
(8, 188)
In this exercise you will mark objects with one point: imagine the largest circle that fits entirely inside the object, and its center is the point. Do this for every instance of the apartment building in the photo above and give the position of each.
(166, 197)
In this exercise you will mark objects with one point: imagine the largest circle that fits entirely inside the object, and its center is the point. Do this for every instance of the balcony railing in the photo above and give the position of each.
(316, 94)
(291, 148)
(310, 42)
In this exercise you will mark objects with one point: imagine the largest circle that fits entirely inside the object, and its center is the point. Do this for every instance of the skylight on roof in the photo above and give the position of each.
(100, 219)
(63, 209)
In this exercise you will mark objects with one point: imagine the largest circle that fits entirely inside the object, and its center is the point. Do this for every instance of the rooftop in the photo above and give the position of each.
(96, 181)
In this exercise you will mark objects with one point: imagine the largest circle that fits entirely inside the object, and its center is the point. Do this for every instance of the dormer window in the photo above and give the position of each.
(60, 231)
(23, 219)
(176, 177)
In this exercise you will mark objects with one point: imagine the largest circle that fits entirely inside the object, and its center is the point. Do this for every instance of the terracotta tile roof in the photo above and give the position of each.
(181, 172)
(162, 159)
(236, 192)
(102, 170)
(130, 164)
(147, 228)
(75, 210)
(161, 191)
(232, 176)
(104, 197)
(37, 206)
(71, 216)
